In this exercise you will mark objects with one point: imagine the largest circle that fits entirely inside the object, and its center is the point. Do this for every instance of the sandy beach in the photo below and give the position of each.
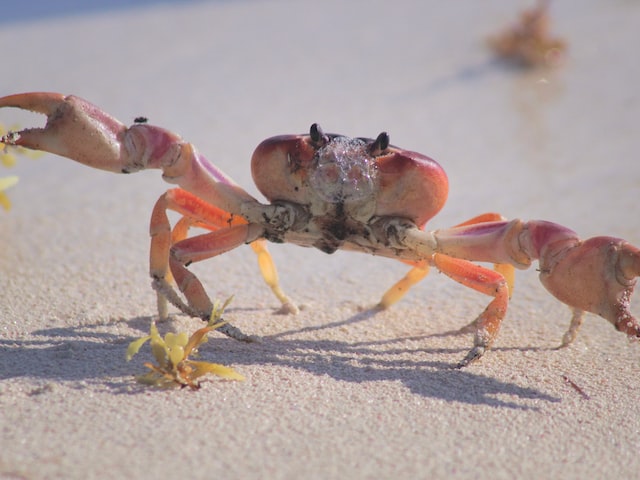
(339, 390)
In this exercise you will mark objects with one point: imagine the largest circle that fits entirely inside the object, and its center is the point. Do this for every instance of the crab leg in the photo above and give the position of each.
(504, 269)
(460, 268)
(486, 281)
(401, 287)
(270, 276)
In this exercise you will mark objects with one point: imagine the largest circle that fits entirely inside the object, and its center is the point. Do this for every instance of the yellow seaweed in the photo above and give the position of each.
(174, 368)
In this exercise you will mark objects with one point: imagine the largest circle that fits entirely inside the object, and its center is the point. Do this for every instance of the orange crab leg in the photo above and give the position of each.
(270, 276)
(484, 281)
(401, 287)
(162, 241)
(194, 211)
(192, 208)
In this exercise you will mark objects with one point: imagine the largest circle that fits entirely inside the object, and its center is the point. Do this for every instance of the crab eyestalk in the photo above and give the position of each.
(379, 145)
(317, 135)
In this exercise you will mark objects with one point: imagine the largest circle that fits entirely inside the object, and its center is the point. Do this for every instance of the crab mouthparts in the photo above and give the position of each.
(344, 171)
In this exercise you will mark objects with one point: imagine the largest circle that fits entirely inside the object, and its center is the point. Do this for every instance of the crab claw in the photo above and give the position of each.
(597, 275)
(81, 131)
(75, 129)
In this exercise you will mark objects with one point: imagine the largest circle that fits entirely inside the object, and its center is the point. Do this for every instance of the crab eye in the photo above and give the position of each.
(317, 135)
(380, 144)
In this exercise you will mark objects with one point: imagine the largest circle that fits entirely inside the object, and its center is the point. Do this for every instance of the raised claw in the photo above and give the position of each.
(81, 131)
(75, 129)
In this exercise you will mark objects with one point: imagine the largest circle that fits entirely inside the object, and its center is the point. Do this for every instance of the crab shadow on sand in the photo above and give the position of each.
(91, 354)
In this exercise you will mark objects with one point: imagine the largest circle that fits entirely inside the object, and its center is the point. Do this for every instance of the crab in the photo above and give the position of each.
(333, 192)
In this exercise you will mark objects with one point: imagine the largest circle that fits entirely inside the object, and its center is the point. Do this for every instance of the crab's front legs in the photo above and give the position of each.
(597, 275)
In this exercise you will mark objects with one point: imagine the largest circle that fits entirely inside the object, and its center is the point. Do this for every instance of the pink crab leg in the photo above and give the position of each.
(597, 275)
(79, 130)
(504, 269)
(421, 269)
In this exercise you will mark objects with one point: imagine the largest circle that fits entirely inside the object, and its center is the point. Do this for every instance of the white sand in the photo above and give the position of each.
(335, 392)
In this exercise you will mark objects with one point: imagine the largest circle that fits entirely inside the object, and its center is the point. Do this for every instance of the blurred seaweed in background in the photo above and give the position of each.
(528, 42)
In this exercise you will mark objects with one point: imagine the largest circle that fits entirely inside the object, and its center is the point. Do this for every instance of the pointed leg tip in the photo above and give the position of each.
(473, 356)
(567, 340)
